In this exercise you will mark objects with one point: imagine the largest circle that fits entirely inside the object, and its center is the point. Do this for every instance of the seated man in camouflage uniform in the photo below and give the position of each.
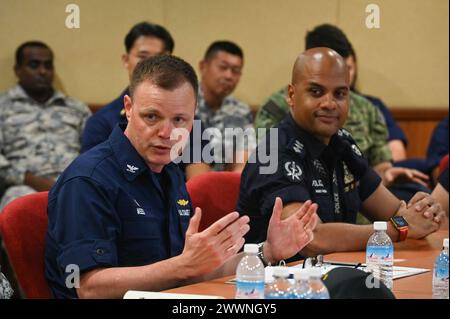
(221, 70)
(40, 128)
(365, 122)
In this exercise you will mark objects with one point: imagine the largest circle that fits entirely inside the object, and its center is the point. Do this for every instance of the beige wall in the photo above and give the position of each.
(405, 61)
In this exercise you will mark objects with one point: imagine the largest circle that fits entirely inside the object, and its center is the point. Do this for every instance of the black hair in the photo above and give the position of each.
(149, 30)
(165, 71)
(330, 36)
(28, 44)
(226, 46)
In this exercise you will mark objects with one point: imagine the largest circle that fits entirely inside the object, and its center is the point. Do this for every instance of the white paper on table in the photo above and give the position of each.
(136, 294)
(398, 271)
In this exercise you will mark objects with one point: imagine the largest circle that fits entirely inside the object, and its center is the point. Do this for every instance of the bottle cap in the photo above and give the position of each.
(379, 225)
(281, 272)
(315, 272)
(446, 242)
(301, 274)
(251, 248)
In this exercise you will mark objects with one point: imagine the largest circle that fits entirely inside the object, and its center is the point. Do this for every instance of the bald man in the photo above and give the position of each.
(319, 161)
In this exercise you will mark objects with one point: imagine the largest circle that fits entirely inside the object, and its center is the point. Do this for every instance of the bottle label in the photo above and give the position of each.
(441, 275)
(380, 254)
(249, 289)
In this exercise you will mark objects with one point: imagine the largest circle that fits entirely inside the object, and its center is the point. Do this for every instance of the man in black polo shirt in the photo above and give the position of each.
(319, 161)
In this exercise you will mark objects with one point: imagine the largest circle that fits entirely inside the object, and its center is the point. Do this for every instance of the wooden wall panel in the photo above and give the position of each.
(418, 125)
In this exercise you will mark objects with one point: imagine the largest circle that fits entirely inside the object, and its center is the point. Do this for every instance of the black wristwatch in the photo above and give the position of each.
(261, 254)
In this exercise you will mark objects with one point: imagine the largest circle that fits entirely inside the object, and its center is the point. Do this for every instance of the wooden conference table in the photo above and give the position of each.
(411, 253)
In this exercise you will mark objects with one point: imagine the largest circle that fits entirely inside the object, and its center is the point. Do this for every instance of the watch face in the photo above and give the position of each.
(400, 221)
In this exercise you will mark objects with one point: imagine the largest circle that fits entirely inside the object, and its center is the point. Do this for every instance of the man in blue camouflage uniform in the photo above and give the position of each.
(40, 127)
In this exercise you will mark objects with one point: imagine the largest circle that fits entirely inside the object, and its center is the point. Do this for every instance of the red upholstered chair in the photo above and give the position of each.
(443, 164)
(216, 193)
(23, 224)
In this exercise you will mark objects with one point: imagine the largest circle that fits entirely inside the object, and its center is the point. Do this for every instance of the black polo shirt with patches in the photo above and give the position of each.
(335, 176)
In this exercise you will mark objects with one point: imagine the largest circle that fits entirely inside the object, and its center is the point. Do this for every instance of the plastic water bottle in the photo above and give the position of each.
(300, 288)
(250, 275)
(440, 274)
(317, 289)
(380, 254)
(280, 287)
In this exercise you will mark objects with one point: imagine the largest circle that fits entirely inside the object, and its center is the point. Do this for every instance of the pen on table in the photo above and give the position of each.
(356, 265)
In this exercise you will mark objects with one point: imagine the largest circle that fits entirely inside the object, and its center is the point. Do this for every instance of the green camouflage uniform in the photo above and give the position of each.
(41, 139)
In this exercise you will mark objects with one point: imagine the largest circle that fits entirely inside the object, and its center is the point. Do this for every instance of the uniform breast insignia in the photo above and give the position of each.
(317, 183)
(349, 180)
(293, 171)
(356, 150)
(348, 177)
(183, 211)
(318, 186)
(132, 169)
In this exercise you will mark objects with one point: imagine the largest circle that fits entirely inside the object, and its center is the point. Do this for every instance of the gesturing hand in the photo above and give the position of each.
(287, 237)
(209, 249)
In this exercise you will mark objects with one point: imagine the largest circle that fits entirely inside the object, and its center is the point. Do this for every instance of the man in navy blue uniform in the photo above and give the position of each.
(142, 41)
(319, 161)
(120, 215)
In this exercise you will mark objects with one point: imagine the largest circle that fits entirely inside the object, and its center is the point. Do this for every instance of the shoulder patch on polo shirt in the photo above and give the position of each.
(297, 147)
(356, 150)
(182, 202)
(344, 132)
